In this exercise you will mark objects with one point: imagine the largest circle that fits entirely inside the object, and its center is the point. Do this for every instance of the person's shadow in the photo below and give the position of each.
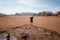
(25, 37)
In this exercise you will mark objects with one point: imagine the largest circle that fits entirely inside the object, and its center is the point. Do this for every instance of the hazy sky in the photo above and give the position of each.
(13, 6)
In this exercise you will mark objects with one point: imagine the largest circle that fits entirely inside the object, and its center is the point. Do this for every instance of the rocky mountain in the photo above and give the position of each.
(1, 15)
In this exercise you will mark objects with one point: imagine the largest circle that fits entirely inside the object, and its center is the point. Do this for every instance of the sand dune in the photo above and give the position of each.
(50, 22)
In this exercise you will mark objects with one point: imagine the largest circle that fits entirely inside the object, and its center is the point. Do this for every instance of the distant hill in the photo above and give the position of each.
(1, 14)
(44, 13)
(57, 13)
(26, 14)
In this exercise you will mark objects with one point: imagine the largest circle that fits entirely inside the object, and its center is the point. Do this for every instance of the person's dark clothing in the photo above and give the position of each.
(31, 19)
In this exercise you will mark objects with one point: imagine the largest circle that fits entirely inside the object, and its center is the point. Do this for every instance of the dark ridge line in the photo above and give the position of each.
(4, 31)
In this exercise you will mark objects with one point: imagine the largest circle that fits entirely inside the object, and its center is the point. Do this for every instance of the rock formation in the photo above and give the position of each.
(31, 32)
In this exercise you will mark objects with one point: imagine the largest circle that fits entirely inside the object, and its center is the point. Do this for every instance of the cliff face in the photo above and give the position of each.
(31, 32)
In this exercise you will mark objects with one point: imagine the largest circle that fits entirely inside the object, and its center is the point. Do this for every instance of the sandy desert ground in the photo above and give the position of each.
(50, 22)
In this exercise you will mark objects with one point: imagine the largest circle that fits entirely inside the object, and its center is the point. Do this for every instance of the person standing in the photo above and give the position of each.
(31, 19)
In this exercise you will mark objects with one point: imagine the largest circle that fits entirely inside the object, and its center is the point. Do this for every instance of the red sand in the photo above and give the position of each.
(50, 22)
